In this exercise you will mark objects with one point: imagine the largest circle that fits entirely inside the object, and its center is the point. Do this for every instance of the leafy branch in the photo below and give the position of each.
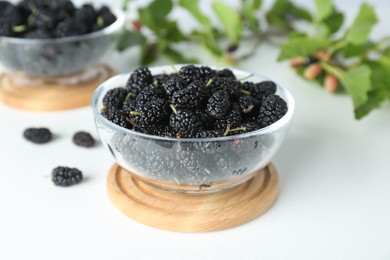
(342, 62)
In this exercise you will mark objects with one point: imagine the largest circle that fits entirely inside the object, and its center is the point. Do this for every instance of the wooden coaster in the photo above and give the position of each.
(49, 94)
(185, 212)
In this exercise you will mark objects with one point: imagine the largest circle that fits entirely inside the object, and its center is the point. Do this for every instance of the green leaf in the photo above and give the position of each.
(125, 5)
(303, 46)
(284, 11)
(172, 32)
(381, 74)
(177, 57)
(128, 39)
(334, 21)
(386, 52)
(249, 9)
(299, 13)
(352, 50)
(380, 87)
(375, 99)
(155, 13)
(149, 53)
(324, 8)
(356, 80)
(193, 7)
(361, 27)
(322, 31)
(230, 20)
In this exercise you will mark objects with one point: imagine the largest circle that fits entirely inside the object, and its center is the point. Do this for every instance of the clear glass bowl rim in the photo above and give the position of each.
(266, 130)
(106, 31)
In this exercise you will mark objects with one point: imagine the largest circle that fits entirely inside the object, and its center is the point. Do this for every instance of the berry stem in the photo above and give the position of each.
(209, 82)
(246, 92)
(134, 113)
(132, 123)
(238, 129)
(174, 68)
(246, 77)
(100, 20)
(227, 130)
(176, 180)
(128, 96)
(173, 108)
(249, 109)
(19, 28)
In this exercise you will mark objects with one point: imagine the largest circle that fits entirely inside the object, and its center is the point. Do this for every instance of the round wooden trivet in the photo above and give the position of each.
(185, 212)
(47, 95)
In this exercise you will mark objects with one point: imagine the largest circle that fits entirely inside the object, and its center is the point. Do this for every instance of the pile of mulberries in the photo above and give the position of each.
(42, 19)
(195, 102)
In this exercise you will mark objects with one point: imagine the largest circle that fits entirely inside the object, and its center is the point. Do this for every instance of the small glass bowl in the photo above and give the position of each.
(61, 56)
(191, 165)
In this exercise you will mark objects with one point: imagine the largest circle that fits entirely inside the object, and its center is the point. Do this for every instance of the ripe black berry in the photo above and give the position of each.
(185, 122)
(65, 176)
(115, 97)
(272, 109)
(87, 13)
(83, 139)
(190, 97)
(44, 19)
(38, 135)
(232, 119)
(153, 112)
(260, 90)
(249, 106)
(139, 79)
(188, 73)
(226, 73)
(117, 116)
(218, 104)
(70, 27)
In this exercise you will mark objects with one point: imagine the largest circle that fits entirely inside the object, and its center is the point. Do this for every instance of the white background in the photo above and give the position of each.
(334, 192)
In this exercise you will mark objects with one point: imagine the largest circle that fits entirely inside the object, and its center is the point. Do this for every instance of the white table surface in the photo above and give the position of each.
(334, 200)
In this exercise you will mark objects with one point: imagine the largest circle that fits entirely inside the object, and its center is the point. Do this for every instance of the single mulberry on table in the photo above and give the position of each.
(66, 176)
(83, 139)
(38, 135)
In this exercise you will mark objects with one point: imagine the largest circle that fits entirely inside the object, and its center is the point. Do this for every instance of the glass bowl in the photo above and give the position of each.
(61, 56)
(191, 165)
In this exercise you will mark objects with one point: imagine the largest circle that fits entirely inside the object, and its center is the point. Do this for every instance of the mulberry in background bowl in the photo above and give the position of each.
(59, 56)
(189, 164)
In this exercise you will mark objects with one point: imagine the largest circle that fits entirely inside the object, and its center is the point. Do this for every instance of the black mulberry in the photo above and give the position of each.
(226, 73)
(139, 79)
(191, 97)
(83, 139)
(219, 104)
(272, 109)
(232, 119)
(115, 97)
(249, 106)
(38, 135)
(44, 19)
(65, 176)
(153, 112)
(117, 116)
(185, 123)
(70, 27)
